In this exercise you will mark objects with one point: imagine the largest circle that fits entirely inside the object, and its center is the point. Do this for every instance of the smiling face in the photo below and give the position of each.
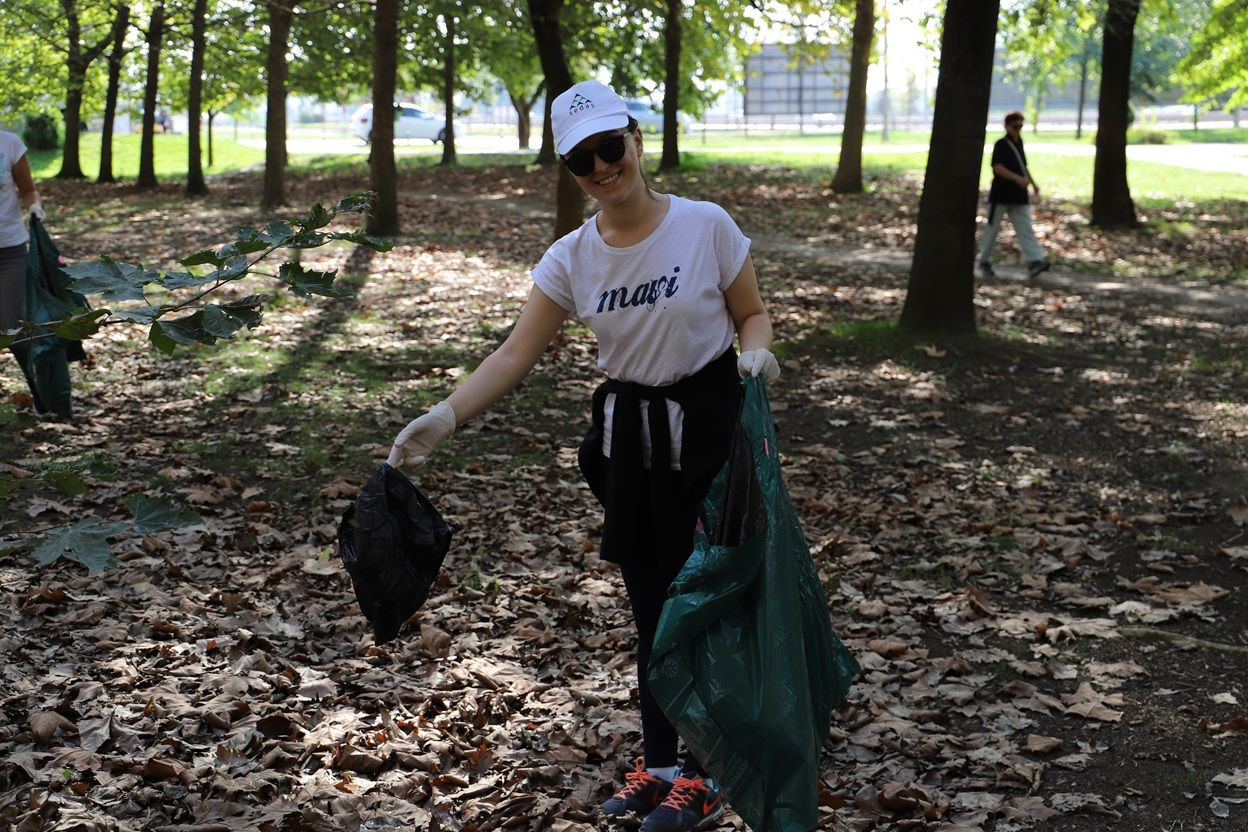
(614, 182)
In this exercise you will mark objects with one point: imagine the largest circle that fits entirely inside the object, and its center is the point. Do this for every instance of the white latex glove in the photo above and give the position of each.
(36, 208)
(758, 362)
(416, 441)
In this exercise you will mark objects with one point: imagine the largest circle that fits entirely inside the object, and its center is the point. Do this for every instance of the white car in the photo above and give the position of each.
(410, 122)
(650, 118)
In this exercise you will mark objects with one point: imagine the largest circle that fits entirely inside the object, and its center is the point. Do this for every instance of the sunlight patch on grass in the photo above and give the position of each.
(170, 153)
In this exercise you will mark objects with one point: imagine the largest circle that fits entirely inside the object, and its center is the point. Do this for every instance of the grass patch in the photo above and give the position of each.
(170, 152)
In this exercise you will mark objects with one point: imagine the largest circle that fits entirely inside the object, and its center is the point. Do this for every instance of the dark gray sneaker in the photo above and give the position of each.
(986, 269)
(642, 793)
(1036, 266)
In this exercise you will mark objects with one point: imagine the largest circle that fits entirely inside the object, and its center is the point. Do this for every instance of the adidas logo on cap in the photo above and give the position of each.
(580, 104)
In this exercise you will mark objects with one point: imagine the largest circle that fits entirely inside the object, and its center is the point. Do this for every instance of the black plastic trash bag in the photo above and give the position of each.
(45, 361)
(392, 542)
(745, 664)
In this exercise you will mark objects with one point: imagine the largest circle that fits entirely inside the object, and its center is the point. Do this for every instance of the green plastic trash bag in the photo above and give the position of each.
(745, 664)
(45, 361)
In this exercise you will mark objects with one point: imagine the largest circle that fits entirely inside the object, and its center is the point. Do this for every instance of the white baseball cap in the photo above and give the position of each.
(584, 109)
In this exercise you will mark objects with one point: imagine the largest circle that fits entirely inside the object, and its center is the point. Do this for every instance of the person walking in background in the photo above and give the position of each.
(665, 284)
(1008, 196)
(18, 198)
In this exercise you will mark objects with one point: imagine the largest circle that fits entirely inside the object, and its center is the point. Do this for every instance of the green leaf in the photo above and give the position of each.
(306, 283)
(318, 217)
(6, 339)
(153, 515)
(307, 239)
(226, 319)
(189, 329)
(205, 257)
(248, 242)
(181, 280)
(80, 326)
(85, 542)
(234, 268)
(110, 280)
(142, 314)
(68, 483)
(361, 238)
(356, 203)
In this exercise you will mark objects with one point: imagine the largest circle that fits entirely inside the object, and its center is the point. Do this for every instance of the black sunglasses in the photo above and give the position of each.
(610, 149)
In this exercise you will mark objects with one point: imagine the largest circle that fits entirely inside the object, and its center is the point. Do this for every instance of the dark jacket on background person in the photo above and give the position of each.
(1005, 191)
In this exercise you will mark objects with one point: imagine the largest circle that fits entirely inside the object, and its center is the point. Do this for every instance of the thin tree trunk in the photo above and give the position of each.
(383, 176)
(147, 146)
(212, 116)
(569, 198)
(1083, 94)
(672, 35)
(524, 127)
(77, 61)
(448, 91)
(120, 24)
(848, 179)
(1035, 116)
(1112, 206)
(546, 153)
(281, 13)
(195, 184)
(940, 296)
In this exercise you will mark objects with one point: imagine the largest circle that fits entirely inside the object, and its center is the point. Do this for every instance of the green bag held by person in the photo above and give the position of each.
(45, 361)
(745, 664)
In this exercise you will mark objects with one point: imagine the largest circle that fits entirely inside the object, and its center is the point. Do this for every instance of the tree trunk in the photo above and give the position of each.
(1083, 94)
(448, 91)
(78, 59)
(569, 198)
(848, 179)
(383, 220)
(120, 23)
(212, 116)
(546, 153)
(524, 127)
(195, 184)
(1112, 206)
(1035, 116)
(940, 296)
(281, 12)
(147, 146)
(671, 86)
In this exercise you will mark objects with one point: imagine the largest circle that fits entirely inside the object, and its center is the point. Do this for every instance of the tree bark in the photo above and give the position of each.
(848, 179)
(212, 116)
(448, 91)
(195, 184)
(569, 198)
(1083, 94)
(77, 61)
(383, 220)
(524, 122)
(940, 296)
(281, 12)
(1112, 206)
(147, 145)
(672, 35)
(546, 153)
(120, 24)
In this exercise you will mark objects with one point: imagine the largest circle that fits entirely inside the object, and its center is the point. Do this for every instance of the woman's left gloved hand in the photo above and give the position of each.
(36, 208)
(758, 362)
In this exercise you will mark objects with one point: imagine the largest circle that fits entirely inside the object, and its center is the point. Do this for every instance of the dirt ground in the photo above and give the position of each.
(1033, 540)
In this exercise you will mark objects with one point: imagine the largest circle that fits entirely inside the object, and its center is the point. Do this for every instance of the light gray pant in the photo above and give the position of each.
(1020, 218)
(12, 284)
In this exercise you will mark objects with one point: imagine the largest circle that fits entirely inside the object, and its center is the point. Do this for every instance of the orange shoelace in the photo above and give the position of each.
(684, 791)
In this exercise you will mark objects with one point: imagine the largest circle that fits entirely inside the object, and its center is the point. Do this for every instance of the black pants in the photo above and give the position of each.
(647, 590)
(12, 284)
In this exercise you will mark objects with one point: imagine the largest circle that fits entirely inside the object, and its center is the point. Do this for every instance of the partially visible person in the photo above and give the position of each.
(18, 198)
(1008, 196)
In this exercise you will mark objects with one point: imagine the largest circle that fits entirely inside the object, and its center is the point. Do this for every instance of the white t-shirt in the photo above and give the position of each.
(656, 307)
(12, 227)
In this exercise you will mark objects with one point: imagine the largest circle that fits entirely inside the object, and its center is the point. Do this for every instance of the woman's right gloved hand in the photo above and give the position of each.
(416, 441)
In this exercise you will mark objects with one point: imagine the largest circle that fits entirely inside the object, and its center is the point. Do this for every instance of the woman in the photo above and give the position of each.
(664, 283)
(18, 198)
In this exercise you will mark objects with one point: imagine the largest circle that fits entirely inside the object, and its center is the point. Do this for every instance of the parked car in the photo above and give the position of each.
(410, 122)
(650, 118)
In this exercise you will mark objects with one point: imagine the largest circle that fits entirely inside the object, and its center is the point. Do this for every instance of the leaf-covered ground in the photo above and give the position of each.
(1033, 542)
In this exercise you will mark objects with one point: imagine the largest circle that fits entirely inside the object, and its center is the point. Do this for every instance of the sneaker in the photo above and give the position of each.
(691, 804)
(1036, 266)
(642, 793)
(986, 269)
